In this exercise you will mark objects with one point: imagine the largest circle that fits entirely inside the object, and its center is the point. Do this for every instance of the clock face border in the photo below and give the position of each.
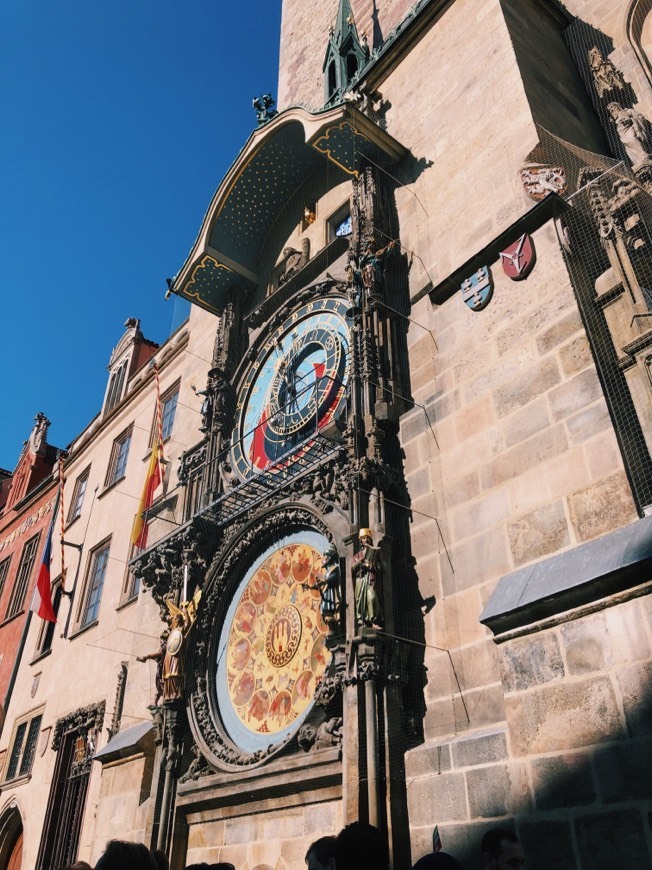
(268, 598)
(299, 379)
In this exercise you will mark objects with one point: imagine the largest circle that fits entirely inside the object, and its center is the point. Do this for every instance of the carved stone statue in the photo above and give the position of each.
(367, 573)
(39, 433)
(158, 657)
(369, 274)
(329, 586)
(294, 260)
(634, 131)
(606, 77)
(325, 735)
(264, 108)
(170, 654)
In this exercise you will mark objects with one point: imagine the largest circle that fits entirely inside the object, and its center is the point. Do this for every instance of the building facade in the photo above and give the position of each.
(400, 569)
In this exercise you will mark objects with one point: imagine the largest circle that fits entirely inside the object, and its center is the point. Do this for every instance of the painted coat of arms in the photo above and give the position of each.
(539, 181)
(478, 289)
(518, 259)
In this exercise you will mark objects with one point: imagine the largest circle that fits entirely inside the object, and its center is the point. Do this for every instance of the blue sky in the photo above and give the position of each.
(118, 122)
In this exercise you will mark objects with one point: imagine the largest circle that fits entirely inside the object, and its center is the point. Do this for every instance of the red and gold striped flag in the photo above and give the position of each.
(153, 477)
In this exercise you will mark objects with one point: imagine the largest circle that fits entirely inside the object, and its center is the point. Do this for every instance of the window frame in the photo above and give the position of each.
(336, 218)
(117, 469)
(116, 388)
(23, 575)
(172, 392)
(94, 585)
(80, 484)
(47, 629)
(29, 727)
(131, 585)
(4, 573)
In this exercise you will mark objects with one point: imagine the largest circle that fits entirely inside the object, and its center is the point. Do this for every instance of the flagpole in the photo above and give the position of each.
(62, 522)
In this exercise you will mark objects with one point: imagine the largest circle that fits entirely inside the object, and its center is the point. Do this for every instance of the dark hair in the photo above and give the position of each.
(492, 842)
(361, 845)
(437, 861)
(120, 855)
(161, 860)
(323, 849)
(222, 865)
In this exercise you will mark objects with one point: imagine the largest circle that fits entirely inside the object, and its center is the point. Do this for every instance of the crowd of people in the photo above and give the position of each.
(358, 846)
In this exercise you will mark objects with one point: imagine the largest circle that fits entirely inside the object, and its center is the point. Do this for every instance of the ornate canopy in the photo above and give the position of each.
(294, 158)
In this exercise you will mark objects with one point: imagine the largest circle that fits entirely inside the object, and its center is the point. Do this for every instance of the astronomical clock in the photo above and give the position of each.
(292, 500)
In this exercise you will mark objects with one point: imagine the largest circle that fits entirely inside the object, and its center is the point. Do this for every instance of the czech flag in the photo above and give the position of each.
(42, 598)
(152, 483)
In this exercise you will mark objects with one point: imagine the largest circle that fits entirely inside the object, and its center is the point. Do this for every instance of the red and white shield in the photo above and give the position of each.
(519, 258)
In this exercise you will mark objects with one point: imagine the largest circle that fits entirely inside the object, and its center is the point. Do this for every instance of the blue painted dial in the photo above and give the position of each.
(296, 385)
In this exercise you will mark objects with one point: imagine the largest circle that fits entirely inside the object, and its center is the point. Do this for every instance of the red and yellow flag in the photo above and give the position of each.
(154, 475)
(152, 483)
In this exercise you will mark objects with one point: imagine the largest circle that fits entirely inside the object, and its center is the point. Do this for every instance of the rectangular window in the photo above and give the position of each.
(78, 495)
(168, 409)
(23, 748)
(4, 570)
(118, 464)
(339, 223)
(95, 583)
(132, 581)
(46, 632)
(27, 560)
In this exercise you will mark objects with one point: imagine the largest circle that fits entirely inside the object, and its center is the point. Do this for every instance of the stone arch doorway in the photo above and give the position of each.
(11, 838)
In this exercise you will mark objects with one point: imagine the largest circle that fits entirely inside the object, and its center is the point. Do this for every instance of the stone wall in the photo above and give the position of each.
(266, 838)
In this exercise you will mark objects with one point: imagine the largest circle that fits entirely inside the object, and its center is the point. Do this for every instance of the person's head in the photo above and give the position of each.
(321, 854)
(223, 865)
(501, 850)
(161, 860)
(437, 861)
(361, 845)
(120, 855)
(366, 537)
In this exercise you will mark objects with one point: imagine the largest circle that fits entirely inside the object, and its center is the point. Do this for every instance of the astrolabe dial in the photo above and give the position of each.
(272, 650)
(294, 388)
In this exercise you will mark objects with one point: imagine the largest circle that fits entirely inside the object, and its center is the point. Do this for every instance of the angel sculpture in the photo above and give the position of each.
(180, 620)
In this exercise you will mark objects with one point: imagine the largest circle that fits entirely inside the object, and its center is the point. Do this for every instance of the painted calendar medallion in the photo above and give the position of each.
(271, 652)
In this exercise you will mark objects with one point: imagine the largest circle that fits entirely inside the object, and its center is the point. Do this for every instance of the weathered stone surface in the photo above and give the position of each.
(240, 831)
(575, 394)
(476, 665)
(559, 331)
(575, 356)
(531, 661)
(529, 420)
(605, 639)
(497, 790)
(550, 844)
(588, 422)
(462, 490)
(441, 798)
(428, 760)
(561, 717)
(475, 560)
(323, 817)
(543, 531)
(602, 507)
(635, 686)
(608, 840)
(481, 514)
(525, 386)
(624, 772)
(563, 781)
(482, 748)
(524, 456)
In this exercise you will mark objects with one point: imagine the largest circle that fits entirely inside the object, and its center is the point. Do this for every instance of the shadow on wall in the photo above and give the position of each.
(588, 808)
